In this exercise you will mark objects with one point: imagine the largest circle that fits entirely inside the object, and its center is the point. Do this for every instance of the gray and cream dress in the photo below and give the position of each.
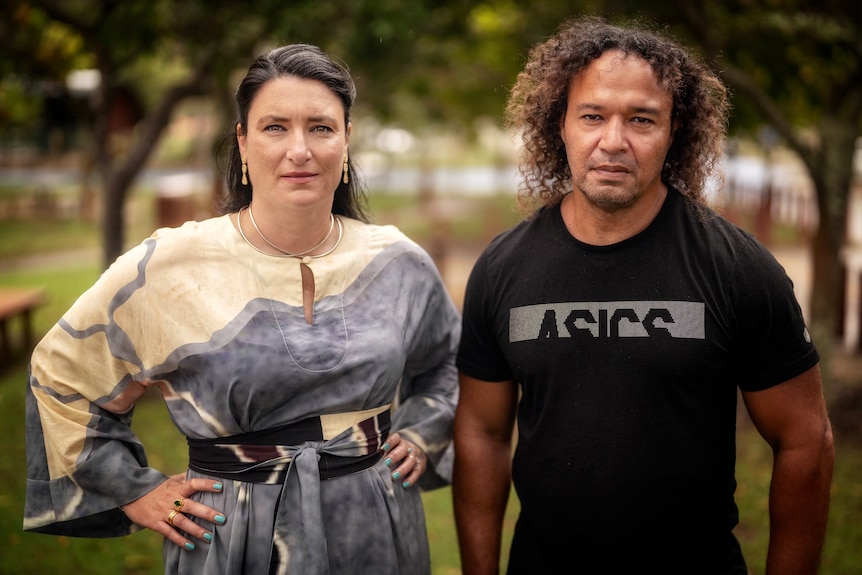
(289, 416)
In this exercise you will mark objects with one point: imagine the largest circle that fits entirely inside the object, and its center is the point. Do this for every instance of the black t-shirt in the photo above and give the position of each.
(629, 357)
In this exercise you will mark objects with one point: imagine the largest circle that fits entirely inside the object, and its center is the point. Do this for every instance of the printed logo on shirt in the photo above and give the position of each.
(611, 319)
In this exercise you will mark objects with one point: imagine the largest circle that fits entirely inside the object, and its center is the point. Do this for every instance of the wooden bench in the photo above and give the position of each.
(18, 303)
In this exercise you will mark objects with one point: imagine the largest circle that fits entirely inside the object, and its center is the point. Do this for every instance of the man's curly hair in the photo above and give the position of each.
(539, 99)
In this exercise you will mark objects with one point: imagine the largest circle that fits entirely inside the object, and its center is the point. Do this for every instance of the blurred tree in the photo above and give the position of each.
(392, 46)
(795, 66)
(111, 35)
(34, 60)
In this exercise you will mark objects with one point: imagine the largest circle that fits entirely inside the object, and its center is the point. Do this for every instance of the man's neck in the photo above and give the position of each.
(595, 226)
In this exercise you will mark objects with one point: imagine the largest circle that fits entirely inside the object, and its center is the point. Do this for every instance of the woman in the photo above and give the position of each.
(306, 354)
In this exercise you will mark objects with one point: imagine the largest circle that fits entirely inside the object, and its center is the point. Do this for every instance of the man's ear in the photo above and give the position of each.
(674, 126)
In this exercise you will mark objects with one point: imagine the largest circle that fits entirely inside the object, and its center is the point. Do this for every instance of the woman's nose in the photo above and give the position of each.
(297, 148)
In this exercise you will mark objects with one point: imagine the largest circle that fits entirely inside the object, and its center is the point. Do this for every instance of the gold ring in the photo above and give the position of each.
(171, 516)
(179, 503)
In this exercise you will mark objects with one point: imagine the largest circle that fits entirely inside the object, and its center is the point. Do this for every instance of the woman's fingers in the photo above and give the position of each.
(406, 460)
(168, 509)
(196, 484)
(175, 521)
(180, 518)
(181, 524)
(415, 464)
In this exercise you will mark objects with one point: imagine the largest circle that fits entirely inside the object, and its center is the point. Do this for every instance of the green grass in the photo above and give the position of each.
(140, 554)
(841, 555)
(61, 287)
(20, 238)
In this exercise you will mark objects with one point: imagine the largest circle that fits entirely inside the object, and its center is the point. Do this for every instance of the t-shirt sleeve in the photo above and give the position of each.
(774, 344)
(480, 354)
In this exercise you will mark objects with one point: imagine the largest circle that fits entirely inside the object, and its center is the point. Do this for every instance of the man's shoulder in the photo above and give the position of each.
(714, 229)
(524, 234)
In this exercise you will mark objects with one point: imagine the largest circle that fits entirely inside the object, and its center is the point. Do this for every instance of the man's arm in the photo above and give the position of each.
(792, 418)
(484, 422)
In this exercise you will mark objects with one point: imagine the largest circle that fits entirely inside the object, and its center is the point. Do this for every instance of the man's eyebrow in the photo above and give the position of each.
(649, 110)
(588, 106)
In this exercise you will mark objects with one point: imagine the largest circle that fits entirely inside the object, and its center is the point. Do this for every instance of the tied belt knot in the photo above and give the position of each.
(299, 456)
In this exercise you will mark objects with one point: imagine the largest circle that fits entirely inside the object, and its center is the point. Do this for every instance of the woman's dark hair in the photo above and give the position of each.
(540, 95)
(310, 63)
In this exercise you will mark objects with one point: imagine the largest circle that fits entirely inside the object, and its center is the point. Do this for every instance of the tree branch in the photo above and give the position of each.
(58, 11)
(154, 124)
(742, 82)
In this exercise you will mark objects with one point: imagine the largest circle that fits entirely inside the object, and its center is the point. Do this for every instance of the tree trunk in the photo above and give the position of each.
(120, 169)
(832, 173)
(113, 220)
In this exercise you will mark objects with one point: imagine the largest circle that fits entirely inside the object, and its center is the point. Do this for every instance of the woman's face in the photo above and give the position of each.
(295, 144)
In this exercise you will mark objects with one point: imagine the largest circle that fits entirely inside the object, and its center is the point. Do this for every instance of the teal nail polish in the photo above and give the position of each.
(189, 546)
(208, 537)
(386, 446)
(217, 486)
(396, 475)
(387, 462)
(220, 519)
(406, 484)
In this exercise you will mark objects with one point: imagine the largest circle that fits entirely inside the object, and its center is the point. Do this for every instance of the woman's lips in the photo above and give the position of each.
(299, 177)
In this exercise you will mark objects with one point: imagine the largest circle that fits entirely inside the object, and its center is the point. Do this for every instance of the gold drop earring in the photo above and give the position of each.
(345, 179)
(244, 172)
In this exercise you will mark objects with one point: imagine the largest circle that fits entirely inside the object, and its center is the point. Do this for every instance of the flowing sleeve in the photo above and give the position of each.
(428, 393)
(83, 460)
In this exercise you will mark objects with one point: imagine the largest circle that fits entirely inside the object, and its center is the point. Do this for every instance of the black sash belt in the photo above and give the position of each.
(264, 456)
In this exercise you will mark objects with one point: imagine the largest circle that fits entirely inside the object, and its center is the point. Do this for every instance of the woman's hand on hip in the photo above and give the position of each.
(166, 508)
(405, 459)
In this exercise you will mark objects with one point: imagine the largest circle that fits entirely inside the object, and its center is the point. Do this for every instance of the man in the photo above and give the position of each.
(617, 322)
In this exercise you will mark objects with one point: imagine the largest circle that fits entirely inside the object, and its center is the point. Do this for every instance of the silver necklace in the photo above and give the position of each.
(306, 252)
(304, 258)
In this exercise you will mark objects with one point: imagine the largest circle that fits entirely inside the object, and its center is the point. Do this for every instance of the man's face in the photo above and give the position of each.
(617, 131)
